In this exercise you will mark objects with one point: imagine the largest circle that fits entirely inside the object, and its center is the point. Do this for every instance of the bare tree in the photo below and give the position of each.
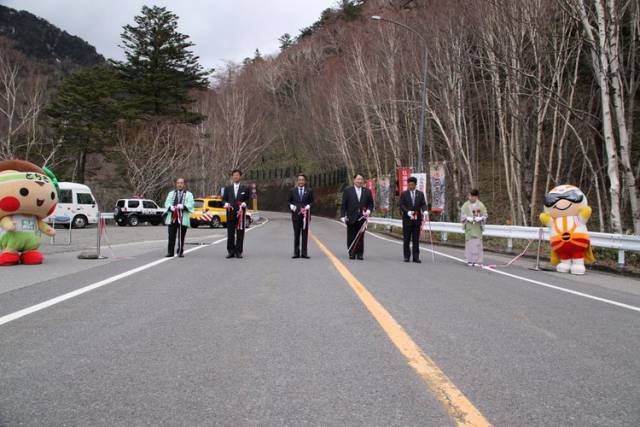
(21, 101)
(154, 151)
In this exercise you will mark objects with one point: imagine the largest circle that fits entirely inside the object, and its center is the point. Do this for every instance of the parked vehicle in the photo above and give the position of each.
(208, 211)
(135, 211)
(76, 206)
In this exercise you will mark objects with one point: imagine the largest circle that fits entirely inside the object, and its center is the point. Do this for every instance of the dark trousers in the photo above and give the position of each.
(173, 231)
(411, 234)
(298, 232)
(352, 232)
(235, 238)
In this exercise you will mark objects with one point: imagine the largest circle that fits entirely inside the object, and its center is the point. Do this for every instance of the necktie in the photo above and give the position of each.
(358, 191)
(413, 198)
(235, 191)
(301, 193)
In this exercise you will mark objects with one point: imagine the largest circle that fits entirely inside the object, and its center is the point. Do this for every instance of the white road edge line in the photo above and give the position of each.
(515, 276)
(53, 301)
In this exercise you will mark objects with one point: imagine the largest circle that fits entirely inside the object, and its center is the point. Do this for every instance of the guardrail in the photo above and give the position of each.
(619, 242)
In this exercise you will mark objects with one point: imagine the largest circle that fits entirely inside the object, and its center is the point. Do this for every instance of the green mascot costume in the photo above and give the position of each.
(28, 194)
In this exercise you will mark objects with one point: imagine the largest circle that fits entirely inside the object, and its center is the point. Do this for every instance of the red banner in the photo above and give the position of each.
(371, 185)
(403, 179)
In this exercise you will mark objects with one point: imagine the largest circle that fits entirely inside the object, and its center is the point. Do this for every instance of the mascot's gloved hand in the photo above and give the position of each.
(368, 212)
(307, 207)
(478, 219)
(292, 207)
(545, 218)
(49, 231)
(469, 219)
(585, 213)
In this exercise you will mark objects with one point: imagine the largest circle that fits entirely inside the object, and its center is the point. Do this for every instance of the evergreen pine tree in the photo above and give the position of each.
(285, 41)
(84, 111)
(160, 68)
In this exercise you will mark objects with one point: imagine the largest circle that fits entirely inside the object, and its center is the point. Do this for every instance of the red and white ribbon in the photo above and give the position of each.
(362, 230)
(176, 215)
(306, 217)
(240, 217)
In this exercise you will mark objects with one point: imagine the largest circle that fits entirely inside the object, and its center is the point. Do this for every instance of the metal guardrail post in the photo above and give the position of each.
(509, 245)
(621, 259)
(99, 234)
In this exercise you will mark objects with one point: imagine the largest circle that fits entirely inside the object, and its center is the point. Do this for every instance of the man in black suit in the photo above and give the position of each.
(235, 197)
(300, 201)
(357, 204)
(412, 205)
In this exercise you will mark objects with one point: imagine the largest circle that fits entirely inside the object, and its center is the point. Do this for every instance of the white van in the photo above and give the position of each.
(76, 205)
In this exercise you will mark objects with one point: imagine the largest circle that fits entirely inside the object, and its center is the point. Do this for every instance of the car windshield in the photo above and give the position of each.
(120, 204)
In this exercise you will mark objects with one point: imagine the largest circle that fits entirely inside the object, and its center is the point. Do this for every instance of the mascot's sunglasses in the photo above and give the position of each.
(574, 196)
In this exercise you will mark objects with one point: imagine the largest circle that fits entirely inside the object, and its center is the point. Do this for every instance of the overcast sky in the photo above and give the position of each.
(223, 30)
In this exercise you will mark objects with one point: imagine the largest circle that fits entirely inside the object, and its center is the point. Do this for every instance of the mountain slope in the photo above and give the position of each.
(40, 40)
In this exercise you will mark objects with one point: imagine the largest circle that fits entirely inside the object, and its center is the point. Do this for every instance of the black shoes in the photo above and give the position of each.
(230, 256)
(306, 256)
(417, 261)
(238, 255)
(168, 256)
(180, 255)
(295, 257)
(360, 257)
(352, 257)
(407, 260)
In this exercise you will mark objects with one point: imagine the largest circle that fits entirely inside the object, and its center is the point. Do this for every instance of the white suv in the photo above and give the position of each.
(134, 211)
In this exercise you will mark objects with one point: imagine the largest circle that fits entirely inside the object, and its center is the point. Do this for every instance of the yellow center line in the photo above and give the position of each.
(461, 410)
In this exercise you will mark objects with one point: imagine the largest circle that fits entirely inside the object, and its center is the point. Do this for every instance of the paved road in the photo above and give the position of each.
(266, 340)
(83, 239)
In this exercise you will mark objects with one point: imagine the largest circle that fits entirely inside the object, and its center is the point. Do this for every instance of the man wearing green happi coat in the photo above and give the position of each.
(473, 216)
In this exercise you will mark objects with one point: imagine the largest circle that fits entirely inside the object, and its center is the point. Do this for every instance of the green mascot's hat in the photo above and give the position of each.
(53, 179)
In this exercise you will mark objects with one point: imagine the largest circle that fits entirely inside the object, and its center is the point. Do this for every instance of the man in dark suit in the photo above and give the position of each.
(412, 205)
(300, 201)
(235, 199)
(357, 204)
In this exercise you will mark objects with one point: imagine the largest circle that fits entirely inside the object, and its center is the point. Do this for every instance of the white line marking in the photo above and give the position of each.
(514, 276)
(53, 301)
(145, 242)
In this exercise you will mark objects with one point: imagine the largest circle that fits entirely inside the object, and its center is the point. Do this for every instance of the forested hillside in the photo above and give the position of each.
(522, 96)
(39, 40)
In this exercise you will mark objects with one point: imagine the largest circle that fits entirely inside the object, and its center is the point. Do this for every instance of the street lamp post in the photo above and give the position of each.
(423, 110)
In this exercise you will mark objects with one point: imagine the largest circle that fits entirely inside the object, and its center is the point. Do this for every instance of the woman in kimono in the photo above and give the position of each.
(473, 216)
